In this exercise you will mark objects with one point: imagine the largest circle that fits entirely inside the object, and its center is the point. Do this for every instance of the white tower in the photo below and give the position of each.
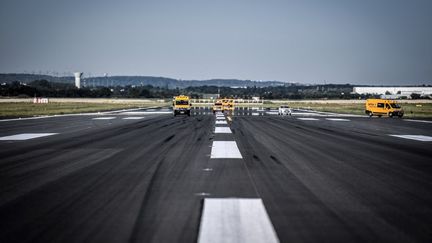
(78, 76)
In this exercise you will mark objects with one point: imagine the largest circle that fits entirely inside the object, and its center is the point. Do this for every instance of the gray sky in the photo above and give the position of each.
(340, 41)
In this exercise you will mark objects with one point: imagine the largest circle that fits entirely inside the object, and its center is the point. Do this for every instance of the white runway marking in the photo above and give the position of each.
(133, 118)
(255, 114)
(220, 118)
(415, 137)
(145, 112)
(222, 130)
(337, 119)
(235, 220)
(104, 118)
(221, 122)
(305, 114)
(225, 150)
(307, 119)
(423, 121)
(25, 136)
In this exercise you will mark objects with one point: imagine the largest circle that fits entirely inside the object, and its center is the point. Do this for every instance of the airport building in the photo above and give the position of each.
(397, 91)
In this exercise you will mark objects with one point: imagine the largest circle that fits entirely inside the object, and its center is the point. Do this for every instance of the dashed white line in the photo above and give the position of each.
(235, 220)
(25, 136)
(337, 119)
(133, 118)
(220, 118)
(104, 118)
(225, 150)
(307, 119)
(221, 122)
(423, 121)
(414, 137)
(222, 130)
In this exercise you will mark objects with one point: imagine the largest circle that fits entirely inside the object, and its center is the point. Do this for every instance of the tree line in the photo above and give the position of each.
(44, 88)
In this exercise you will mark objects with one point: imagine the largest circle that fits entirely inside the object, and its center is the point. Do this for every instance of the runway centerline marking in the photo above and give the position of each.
(414, 137)
(221, 122)
(307, 119)
(337, 119)
(25, 136)
(225, 150)
(220, 118)
(235, 220)
(104, 118)
(222, 130)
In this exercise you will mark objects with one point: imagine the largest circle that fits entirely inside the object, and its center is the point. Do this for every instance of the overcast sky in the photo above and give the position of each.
(336, 41)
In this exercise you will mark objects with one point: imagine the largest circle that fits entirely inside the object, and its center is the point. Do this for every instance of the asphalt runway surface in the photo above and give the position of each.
(146, 178)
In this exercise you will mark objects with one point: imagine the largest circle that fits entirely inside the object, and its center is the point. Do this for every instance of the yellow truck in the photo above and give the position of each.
(383, 107)
(181, 105)
(217, 107)
(227, 105)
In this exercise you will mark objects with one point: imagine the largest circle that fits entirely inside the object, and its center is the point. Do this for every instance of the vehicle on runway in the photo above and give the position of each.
(284, 110)
(181, 105)
(383, 107)
(227, 105)
(217, 107)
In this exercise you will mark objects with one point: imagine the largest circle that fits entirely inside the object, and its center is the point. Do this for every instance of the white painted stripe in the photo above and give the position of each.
(221, 122)
(220, 118)
(307, 119)
(415, 137)
(145, 112)
(272, 112)
(235, 220)
(305, 114)
(104, 118)
(133, 118)
(66, 115)
(337, 119)
(225, 150)
(423, 121)
(25, 136)
(222, 130)
(255, 114)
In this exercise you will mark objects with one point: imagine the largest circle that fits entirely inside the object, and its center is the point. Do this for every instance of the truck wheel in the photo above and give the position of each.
(400, 116)
(390, 114)
(370, 114)
(379, 116)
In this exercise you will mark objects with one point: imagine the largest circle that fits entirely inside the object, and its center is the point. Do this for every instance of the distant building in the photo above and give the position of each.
(394, 91)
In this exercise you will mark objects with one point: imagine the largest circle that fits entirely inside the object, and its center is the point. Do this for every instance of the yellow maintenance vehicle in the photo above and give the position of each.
(217, 107)
(181, 105)
(227, 105)
(380, 107)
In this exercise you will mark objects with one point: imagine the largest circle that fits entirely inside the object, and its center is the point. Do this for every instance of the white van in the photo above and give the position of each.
(284, 110)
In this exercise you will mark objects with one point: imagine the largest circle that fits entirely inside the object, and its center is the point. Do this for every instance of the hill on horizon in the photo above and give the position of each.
(138, 81)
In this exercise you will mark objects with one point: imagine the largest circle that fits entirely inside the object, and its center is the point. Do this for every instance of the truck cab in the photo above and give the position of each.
(181, 105)
(380, 107)
(217, 107)
(228, 105)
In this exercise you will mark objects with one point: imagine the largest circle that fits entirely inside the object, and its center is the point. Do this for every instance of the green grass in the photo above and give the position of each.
(22, 109)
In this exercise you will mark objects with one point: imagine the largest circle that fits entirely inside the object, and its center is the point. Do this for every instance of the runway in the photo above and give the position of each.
(150, 177)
